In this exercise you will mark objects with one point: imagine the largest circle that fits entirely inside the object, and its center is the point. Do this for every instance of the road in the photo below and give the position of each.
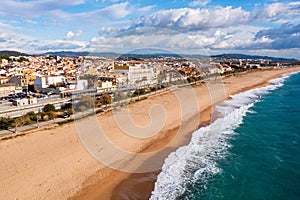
(8, 110)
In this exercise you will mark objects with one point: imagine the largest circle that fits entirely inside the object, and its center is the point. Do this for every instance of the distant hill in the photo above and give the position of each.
(253, 57)
(83, 53)
(66, 53)
(13, 53)
(149, 55)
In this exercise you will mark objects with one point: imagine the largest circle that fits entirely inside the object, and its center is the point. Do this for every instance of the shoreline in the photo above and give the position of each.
(140, 185)
(63, 169)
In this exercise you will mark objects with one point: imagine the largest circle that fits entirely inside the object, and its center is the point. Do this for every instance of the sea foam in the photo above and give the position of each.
(198, 160)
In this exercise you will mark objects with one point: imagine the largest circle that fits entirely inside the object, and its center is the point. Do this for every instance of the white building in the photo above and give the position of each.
(82, 85)
(20, 102)
(25, 101)
(106, 86)
(32, 100)
(139, 74)
(45, 81)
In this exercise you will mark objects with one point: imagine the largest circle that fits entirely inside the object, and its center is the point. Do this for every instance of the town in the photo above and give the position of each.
(30, 83)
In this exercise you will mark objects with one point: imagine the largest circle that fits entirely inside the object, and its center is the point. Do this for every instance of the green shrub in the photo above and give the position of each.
(49, 108)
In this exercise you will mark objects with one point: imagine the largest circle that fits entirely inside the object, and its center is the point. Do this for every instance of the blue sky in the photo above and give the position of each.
(180, 26)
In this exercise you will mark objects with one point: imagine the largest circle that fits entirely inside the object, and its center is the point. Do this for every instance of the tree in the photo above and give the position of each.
(129, 94)
(4, 123)
(119, 96)
(20, 121)
(139, 92)
(43, 114)
(86, 102)
(52, 86)
(106, 99)
(49, 107)
(52, 115)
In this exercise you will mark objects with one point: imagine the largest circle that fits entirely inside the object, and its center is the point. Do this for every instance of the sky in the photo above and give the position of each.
(203, 27)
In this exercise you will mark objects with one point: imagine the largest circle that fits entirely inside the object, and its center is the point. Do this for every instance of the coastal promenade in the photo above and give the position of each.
(14, 111)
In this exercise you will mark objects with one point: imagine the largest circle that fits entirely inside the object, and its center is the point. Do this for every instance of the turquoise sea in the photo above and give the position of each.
(253, 152)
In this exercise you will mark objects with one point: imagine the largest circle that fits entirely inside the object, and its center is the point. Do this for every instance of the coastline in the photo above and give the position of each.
(59, 162)
(140, 185)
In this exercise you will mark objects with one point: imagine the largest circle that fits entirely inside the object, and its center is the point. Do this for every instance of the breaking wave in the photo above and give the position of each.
(198, 160)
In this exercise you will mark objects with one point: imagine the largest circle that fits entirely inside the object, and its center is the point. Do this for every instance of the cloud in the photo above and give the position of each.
(145, 9)
(225, 38)
(17, 42)
(70, 35)
(187, 19)
(198, 3)
(114, 11)
(30, 21)
(280, 12)
(53, 10)
(33, 9)
(287, 53)
(5, 26)
(195, 19)
(142, 38)
(284, 37)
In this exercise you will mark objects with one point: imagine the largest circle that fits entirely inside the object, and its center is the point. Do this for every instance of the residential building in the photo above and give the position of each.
(139, 74)
(46, 81)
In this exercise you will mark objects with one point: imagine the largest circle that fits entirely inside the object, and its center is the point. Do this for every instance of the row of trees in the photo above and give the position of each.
(49, 113)
(85, 102)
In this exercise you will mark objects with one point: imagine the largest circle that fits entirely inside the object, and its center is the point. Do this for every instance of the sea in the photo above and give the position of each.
(251, 152)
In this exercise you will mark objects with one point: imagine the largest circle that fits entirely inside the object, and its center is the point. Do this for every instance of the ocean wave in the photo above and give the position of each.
(198, 160)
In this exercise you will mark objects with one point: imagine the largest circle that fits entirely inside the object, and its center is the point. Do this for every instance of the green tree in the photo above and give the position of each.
(52, 86)
(106, 99)
(4, 123)
(49, 107)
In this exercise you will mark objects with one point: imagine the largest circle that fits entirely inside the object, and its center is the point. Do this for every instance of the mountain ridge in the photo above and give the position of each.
(116, 55)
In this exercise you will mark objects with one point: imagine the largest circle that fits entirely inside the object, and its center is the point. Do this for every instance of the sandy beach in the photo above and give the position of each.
(52, 162)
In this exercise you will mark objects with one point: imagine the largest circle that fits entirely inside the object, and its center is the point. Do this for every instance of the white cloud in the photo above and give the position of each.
(198, 3)
(117, 10)
(30, 21)
(70, 35)
(142, 38)
(284, 37)
(187, 19)
(280, 12)
(33, 9)
(240, 37)
(17, 42)
(146, 9)
(5, 26)
(194, 19)
(53, 10)
(114, 11)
